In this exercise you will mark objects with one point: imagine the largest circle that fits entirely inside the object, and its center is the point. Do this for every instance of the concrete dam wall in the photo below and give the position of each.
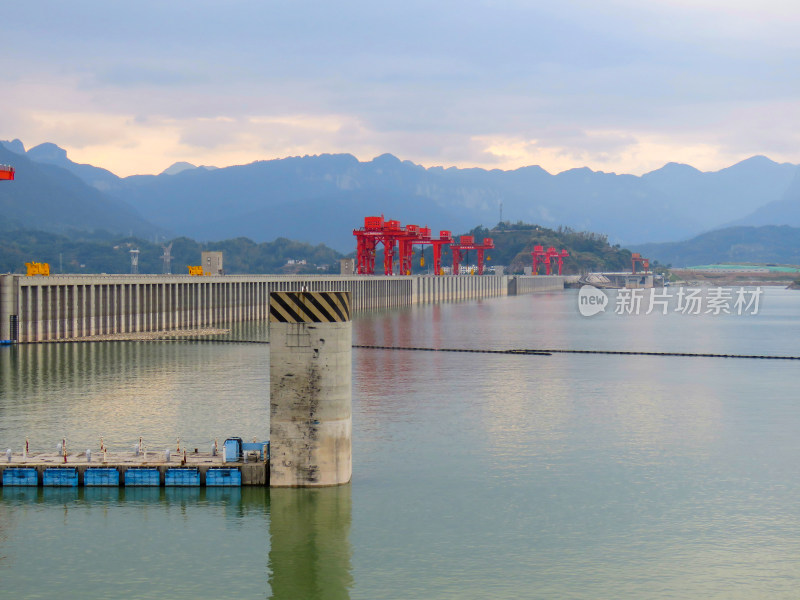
(63, 307)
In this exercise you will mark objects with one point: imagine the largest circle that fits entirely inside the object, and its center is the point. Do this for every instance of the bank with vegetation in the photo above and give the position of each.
(102, 252)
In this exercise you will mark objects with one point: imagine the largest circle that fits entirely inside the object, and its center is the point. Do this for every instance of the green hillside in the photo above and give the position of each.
(767, 244)
(104, 253)
(515, 242)
(48, 197)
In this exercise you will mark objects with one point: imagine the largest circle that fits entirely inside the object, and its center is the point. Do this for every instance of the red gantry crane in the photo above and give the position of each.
(546, 257)
(466, 243)
(6, 173)
(637, 258)
(397, 241)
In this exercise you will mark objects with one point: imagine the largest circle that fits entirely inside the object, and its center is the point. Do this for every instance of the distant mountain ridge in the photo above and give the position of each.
(784, 210)
(766, 244)
(179, 167)
(323, 198)
(50, 154)
(48, 197)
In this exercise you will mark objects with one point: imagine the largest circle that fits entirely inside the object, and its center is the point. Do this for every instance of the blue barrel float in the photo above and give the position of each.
(182, 477)
(20, 476)
(142, 476)
(60, 477)
(223, 476)
(101, 476)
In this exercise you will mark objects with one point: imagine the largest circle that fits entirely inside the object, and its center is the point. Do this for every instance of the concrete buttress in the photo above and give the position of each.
(310, 389)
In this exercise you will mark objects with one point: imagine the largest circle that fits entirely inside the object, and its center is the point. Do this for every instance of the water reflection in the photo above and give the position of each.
(310, 553)
(162, 498)
(160, 542)
(122, 390)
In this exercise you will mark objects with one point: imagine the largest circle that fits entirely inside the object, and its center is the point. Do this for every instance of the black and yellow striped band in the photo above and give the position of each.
(309, 307)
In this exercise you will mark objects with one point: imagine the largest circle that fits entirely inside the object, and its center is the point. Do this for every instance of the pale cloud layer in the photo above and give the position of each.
(618, 86)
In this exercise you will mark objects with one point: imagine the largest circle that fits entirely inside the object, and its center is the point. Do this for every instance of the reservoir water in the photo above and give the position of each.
(475, 475)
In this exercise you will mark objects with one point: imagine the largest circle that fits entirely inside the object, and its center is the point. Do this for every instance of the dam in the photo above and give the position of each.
(50, 308)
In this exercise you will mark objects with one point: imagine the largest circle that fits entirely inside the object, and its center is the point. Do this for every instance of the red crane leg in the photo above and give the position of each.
(456, 261)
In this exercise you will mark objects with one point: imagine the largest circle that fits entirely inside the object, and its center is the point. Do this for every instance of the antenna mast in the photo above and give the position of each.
(134, 261)
(167, 258)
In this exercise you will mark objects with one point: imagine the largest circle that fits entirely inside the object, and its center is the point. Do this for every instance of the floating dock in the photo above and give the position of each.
(126, 469)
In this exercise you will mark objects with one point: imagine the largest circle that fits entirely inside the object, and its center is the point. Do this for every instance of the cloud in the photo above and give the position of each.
(610, 151)
(480, 83)
(122, 75)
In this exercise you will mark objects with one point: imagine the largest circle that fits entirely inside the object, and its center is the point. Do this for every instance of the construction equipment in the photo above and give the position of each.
(546, 257)
(35, 268)
(467, 243)
(397, 241)
(637, 258)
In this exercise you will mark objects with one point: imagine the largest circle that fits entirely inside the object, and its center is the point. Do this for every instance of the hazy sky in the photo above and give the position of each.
(617, 85)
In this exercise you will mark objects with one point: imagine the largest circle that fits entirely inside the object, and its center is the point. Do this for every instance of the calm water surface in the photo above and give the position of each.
(475, 475)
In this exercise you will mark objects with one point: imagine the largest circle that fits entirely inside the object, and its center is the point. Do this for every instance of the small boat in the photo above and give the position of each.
(6, 172)
(6, 342)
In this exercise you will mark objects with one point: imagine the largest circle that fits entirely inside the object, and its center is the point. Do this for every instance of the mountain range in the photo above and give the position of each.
(740, 244)
(49, 197)
(323, 198)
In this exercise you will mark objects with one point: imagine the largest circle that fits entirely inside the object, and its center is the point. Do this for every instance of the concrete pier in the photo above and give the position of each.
(65, 307)
(310, 389)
